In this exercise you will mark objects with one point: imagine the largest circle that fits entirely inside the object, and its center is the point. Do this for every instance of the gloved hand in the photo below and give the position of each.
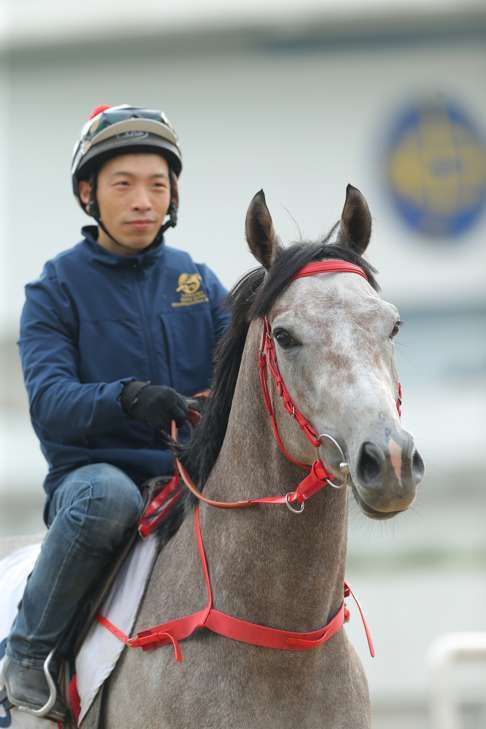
(154, 405)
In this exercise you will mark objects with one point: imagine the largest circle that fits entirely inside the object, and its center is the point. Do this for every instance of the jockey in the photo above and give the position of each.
(115, 335)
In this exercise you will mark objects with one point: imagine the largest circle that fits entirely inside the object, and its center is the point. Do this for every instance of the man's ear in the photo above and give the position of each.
(84, 191)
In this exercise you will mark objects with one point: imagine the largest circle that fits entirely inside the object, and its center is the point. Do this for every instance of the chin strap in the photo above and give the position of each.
(173, 211)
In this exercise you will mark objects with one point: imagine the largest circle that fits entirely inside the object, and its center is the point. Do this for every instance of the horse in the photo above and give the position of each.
(333, 336)
(305, 401)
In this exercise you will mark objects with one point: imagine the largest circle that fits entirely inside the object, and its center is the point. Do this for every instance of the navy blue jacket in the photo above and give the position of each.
(94, 321)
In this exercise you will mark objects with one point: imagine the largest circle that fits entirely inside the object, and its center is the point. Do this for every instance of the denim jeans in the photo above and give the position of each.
(91, 514)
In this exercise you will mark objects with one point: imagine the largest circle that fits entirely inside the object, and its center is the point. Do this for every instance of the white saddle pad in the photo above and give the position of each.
(14, 571)
(101, 650)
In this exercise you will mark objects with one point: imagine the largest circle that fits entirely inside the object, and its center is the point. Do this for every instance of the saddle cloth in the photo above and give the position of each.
(100, 651)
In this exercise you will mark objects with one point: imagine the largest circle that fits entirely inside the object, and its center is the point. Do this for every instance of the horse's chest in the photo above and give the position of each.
(223, 684)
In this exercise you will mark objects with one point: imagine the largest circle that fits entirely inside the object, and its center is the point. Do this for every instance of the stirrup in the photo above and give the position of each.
(44, 710)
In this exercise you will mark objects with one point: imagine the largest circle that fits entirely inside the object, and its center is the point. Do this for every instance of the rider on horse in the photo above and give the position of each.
(116, 333)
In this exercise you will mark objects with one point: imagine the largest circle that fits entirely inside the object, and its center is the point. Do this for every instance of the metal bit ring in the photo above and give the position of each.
(343, 465)
(292, 508)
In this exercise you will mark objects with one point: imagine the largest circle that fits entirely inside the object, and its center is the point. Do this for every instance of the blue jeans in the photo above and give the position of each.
(91, 514)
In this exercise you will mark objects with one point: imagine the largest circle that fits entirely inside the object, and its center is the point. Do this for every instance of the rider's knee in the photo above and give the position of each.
(109, 508)
(115, 498)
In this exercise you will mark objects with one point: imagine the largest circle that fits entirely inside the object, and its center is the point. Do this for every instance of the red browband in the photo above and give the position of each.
(332, 265)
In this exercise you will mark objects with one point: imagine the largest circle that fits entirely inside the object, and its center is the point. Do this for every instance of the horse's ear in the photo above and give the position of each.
(260, 234)
(355, 225)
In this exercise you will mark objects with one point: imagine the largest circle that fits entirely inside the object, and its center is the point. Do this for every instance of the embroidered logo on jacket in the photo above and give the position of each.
(189, 287)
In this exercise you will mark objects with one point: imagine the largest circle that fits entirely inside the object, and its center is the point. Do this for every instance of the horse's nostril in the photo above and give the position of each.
(370, 463)
(418, 467)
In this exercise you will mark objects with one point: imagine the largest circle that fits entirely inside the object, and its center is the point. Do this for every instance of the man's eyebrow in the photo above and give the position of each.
(132, 174)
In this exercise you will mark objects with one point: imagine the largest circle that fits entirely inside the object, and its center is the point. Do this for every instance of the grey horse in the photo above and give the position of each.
(333, 336)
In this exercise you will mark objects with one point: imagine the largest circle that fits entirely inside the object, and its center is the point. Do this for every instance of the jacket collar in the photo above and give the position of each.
(98, 254)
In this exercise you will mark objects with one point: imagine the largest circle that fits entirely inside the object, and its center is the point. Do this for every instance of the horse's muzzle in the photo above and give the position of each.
(388, 475)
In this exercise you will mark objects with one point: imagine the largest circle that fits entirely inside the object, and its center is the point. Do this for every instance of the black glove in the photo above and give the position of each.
(154, 405)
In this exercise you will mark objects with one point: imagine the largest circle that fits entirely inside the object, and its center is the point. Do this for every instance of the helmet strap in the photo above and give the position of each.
(173, 210)
(172, 222)
(91, 207)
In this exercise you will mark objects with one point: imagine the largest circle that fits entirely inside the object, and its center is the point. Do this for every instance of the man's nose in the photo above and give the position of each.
(141, 200)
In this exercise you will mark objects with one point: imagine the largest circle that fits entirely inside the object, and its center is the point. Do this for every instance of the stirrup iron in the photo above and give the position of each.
(44, 710)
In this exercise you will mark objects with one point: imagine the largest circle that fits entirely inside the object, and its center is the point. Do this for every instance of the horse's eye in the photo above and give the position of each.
(395, 329)
(284, 339)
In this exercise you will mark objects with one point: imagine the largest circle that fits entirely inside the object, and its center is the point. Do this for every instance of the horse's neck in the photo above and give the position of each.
(267, 564)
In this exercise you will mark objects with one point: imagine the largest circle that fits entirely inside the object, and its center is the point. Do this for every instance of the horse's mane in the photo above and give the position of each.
(251, 298)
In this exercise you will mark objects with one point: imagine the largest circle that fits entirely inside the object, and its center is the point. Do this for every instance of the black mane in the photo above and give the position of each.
(251, 298)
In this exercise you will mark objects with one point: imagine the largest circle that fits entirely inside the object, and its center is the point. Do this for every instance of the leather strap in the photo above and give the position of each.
(330, 265)
(229, 626)
(157, 509)
(311, 484)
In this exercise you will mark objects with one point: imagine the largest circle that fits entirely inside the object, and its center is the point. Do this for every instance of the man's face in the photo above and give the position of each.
(133, 194)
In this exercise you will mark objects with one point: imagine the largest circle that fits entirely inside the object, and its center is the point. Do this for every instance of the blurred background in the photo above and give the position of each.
(297, 98)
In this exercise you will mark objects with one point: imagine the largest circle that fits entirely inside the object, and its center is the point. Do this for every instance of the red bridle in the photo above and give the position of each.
(319, 475)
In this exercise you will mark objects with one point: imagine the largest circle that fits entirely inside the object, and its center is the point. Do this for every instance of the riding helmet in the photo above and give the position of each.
(123, 129)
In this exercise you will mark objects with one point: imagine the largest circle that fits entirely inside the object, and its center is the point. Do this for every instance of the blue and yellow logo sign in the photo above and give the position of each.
(189, 288)
(436, 168)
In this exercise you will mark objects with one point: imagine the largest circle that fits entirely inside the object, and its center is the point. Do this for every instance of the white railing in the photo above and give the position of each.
(445, 654)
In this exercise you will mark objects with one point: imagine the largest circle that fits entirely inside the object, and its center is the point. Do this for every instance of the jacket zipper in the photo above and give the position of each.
(145, 328)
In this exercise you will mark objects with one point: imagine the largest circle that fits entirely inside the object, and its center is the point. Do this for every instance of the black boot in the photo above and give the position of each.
(28, 690)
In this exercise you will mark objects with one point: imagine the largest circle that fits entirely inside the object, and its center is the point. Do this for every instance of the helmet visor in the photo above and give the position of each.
(122, 113)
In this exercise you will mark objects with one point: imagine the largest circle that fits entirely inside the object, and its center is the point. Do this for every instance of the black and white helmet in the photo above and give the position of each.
(124, 129)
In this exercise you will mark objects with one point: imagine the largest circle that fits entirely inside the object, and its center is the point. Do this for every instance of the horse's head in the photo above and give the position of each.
(333, 336)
